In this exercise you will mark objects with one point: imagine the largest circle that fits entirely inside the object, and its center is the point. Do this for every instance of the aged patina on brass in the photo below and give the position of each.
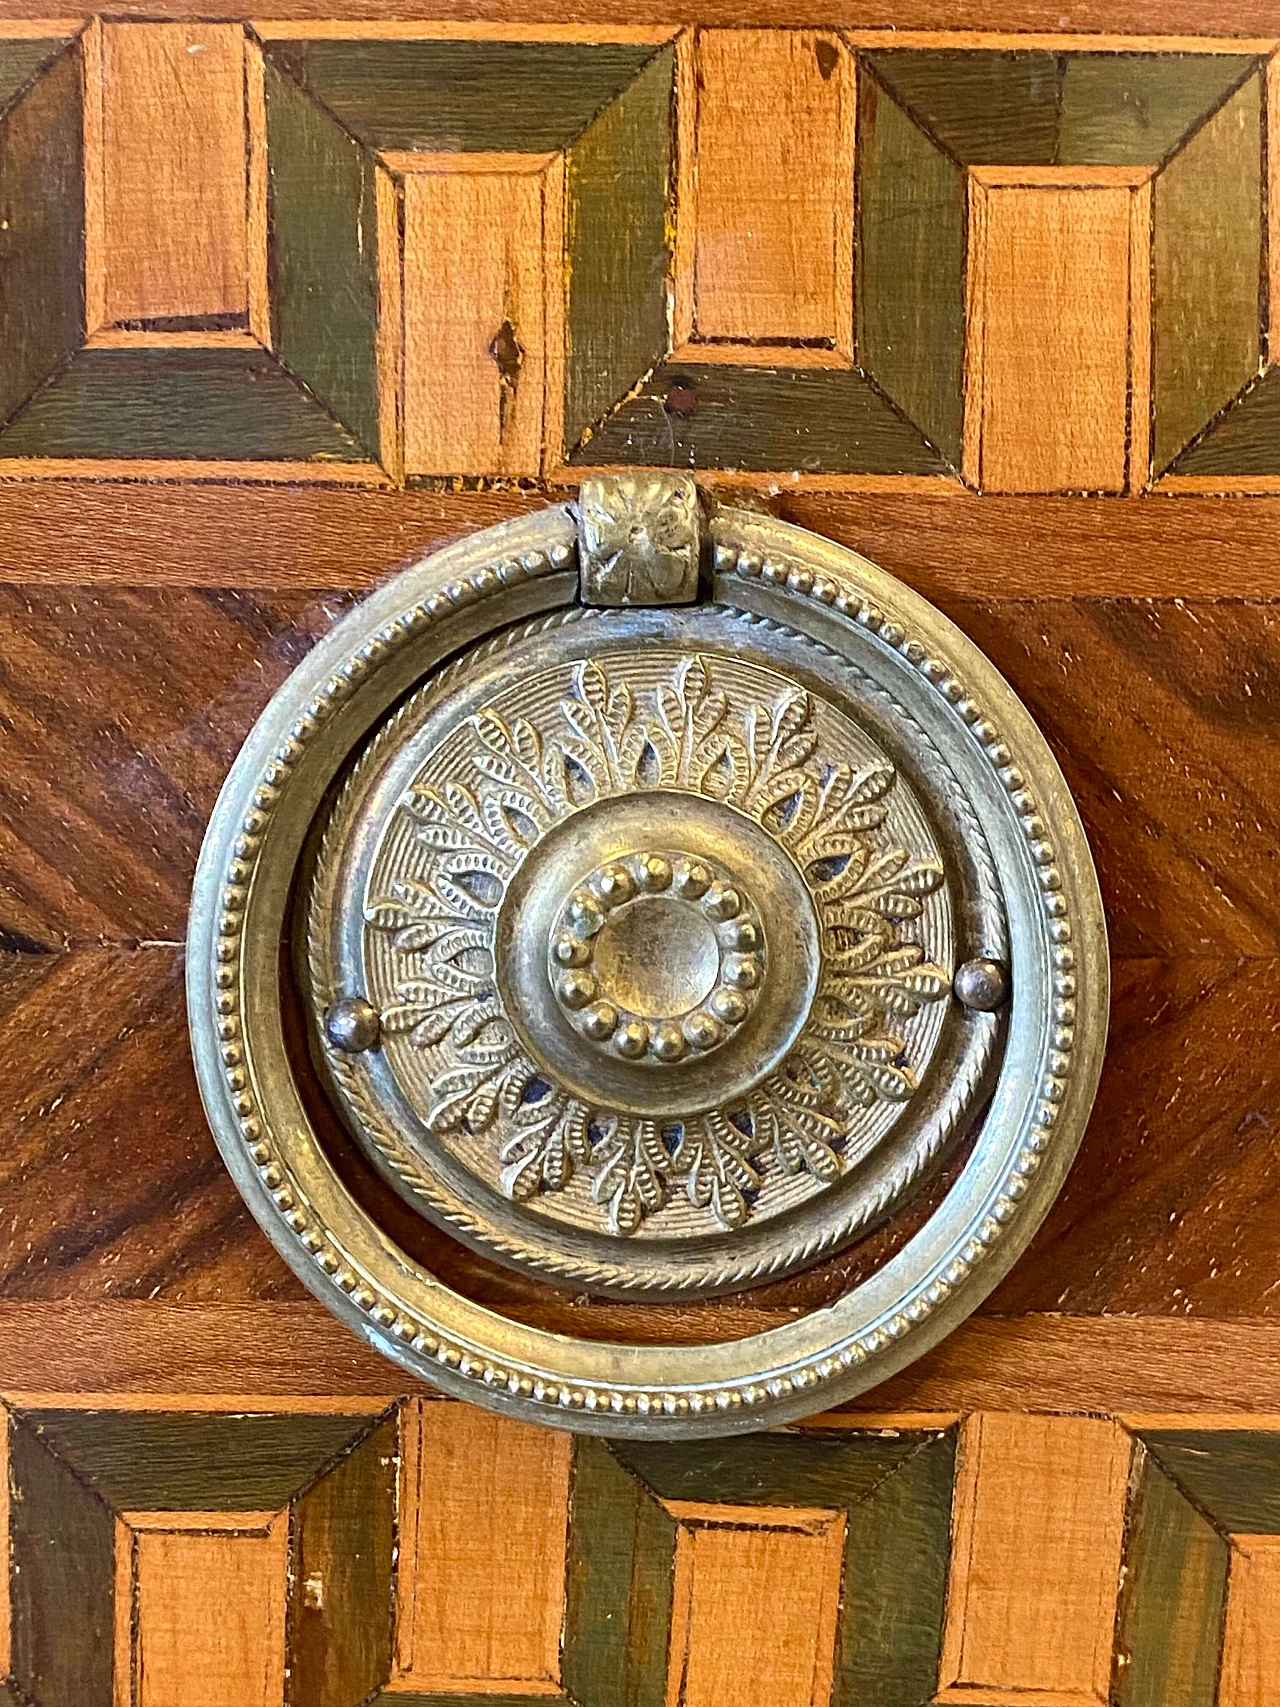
(685, 903)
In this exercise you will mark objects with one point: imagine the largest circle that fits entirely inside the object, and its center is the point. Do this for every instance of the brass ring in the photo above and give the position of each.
(772, 573)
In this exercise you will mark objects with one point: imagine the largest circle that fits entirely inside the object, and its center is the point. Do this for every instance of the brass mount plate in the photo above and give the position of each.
(656, 949)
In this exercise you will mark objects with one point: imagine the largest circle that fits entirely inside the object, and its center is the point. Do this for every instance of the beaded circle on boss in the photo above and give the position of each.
(658, 956)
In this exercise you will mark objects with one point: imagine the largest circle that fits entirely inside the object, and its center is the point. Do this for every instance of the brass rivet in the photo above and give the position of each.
(352, 1024)
(982, 985)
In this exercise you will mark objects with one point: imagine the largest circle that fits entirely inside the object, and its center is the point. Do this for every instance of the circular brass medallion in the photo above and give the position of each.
(656, 951)
(662, 941)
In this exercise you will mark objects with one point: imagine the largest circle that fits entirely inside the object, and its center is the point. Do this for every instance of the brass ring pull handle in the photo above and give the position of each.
(671, 904)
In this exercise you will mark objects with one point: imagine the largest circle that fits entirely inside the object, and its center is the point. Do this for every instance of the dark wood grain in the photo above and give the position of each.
(42, 170)
(1172, 1202)
(111, 1182)
(196, 1461)
(1170, 1629)
(60, 1578)
(1164, 718)
(344, 1535)
(121, 715)
(267, 538)
(617, 246)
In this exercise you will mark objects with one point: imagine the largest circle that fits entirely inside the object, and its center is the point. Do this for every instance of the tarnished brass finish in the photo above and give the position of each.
(640, 539)
(656, 949)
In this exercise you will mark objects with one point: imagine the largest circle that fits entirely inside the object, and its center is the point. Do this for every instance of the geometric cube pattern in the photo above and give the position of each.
(424, 1554)
(436, 253)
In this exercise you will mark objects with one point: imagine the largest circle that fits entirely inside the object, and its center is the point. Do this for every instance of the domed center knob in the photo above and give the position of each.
(657, 956)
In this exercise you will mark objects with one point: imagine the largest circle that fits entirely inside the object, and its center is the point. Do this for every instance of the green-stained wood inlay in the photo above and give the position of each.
(618, 253)
(910, 294)
(42, 235)
(1207, 266)
(985, 108)
(1131, 109)
(207, 405)
(895, 1489)
(1243, 441)
(322, 256)
(1058, 109)
(712, 415)
(196, 1460)
(617, 1585)
(21, 60)
(1171, 1617)
(462, 96)
(1232, 1474)
(344, 1536)
(830, 1470)
(897, 1556)
(61, 1580)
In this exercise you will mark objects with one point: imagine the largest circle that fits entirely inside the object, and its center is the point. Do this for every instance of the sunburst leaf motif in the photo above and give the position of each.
(689, 735)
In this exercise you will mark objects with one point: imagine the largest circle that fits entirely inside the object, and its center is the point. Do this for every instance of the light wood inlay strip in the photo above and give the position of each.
(1138, 471)
(1272, 193)
(764, 354)
(390, 334)
(95, 259)
(123, 1610)
(143, 338)
(779, 1571)
(1250, 1675)
(772, 200)
(1038, 1530)
(402, 160)
(1048, 41)
(490, 1505)
(164, 469)
(554, 237)
(1060, 177)
(201, 1522)
(258, 236)
(38, 29)
(394, 29)
(6, 1609)
(175, 170)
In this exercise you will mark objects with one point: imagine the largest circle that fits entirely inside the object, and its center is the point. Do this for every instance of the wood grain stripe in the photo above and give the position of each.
(1251, 1641)
(1038, 1529)
(490, 1504)
(174, 171)
(75, 531)
(773, 204)
(779, 1569)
